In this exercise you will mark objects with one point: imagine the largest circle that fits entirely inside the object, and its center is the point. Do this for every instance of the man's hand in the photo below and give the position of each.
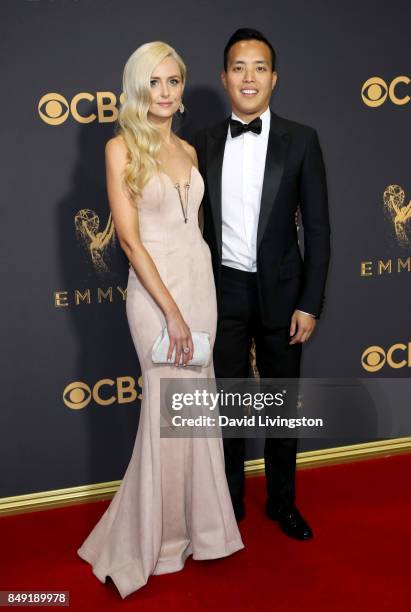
(302, 326)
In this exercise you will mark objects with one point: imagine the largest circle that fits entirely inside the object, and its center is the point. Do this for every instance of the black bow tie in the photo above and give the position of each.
(237, 128)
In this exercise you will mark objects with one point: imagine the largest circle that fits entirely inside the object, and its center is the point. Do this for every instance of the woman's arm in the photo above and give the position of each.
(126, 223)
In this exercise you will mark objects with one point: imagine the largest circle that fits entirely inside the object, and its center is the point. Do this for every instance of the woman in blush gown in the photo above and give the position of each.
(173, 500)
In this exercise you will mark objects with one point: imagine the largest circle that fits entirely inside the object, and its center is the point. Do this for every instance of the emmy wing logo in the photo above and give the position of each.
(95, 242)
(398, 212)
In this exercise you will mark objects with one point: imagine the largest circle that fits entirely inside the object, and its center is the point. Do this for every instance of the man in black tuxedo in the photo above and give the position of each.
(258, 168)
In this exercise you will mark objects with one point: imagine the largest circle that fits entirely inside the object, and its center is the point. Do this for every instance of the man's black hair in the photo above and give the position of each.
(248, 34)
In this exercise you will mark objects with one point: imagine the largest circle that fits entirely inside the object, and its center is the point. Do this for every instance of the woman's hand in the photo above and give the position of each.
(180, 338)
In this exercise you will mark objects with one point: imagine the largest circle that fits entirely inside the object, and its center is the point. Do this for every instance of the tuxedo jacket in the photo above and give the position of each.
(294, 175)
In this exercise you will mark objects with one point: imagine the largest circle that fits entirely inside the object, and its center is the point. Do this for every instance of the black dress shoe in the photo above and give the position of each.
(291, 522)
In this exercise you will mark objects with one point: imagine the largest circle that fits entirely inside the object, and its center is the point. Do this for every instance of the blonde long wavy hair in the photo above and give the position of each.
(141, 136)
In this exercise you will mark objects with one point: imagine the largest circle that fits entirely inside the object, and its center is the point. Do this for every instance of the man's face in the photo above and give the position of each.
(249, 79)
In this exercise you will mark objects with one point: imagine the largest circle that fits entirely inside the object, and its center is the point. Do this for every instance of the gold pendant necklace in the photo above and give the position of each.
(185, 210)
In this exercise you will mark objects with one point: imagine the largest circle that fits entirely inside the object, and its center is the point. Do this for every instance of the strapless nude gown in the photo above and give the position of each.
(173, 500)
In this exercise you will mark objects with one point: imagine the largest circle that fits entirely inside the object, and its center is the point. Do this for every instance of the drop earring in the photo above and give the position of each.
(181, 108)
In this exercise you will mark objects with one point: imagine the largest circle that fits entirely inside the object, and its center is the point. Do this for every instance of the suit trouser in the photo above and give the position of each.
(238, 322)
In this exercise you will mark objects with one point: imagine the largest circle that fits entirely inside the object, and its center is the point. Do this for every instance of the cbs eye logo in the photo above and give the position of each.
(397, 356)
(54, 109)
(375, 91)
(106, 391)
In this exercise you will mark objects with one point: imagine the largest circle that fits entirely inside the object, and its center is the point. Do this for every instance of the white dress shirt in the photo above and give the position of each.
(242, 183)
(241, 189)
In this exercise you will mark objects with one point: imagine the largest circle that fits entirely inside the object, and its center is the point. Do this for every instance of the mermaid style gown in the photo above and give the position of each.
(173, 500)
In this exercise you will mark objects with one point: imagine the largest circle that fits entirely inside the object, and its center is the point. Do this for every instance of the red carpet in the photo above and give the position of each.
(359, 557)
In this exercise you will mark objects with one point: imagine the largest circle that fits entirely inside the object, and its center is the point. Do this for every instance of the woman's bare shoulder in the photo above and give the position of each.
(116, 146)
(190, 150)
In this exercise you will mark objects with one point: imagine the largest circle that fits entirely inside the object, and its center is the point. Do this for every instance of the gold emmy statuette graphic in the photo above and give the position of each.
(400, 215)
(87, 223)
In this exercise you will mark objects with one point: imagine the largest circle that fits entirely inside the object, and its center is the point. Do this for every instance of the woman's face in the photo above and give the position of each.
(166, 87)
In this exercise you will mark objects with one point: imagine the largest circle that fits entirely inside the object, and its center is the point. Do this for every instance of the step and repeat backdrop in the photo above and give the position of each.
(71, 387)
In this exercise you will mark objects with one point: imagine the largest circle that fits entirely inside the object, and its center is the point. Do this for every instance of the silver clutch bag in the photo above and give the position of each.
(202, 348)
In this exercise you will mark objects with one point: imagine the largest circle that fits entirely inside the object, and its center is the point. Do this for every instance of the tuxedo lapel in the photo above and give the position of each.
(274, 168)
(215, 156)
